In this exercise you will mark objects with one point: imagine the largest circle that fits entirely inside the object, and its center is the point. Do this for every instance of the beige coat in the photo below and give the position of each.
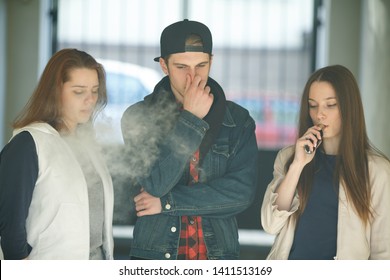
(354, 240)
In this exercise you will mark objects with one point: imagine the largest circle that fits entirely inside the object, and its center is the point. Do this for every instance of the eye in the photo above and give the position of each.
(332, 105)
(78, 92)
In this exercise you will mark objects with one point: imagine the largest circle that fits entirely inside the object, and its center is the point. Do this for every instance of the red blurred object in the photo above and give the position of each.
(276, 119)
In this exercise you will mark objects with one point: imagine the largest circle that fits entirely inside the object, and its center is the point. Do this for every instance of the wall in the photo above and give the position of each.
(3, 18)
(344, 33)
(375, 71)
(359, 38)
(22, 49)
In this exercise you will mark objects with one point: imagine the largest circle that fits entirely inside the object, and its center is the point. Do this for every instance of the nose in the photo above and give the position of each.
(192, 72)
(321, 114)
(91, 98)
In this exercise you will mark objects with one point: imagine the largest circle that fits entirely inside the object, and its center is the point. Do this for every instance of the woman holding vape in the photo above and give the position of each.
(330, 194)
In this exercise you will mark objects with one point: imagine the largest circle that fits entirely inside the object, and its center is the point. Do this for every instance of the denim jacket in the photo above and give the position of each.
(226, 187)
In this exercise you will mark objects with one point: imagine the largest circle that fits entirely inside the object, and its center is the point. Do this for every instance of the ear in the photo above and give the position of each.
(164, 66)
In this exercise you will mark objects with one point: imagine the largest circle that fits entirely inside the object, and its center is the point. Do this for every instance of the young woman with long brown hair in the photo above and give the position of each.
(330, 195)
(56, 194)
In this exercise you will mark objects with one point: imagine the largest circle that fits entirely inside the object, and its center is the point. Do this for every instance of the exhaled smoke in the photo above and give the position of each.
(145, 131)
(144, 135)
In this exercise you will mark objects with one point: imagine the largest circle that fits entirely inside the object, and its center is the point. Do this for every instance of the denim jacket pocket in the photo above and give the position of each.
(221, 149)
(216, 161)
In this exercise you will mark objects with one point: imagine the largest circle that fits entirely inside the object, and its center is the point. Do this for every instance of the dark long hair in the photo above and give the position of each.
(354, 147)
(45, 102)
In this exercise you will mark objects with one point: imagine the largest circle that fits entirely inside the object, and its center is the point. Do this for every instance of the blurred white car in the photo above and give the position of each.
(127, 84)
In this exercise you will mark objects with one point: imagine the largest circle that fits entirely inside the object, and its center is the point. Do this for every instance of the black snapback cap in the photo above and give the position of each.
(174, 36)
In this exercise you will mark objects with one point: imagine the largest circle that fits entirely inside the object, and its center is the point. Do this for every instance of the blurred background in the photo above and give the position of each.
(264, 51)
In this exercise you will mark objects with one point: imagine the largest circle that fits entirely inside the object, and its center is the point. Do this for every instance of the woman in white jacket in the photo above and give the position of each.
(56, 194)
(330, 195)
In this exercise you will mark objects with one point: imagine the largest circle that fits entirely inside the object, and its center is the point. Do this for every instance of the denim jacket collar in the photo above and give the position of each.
(228, 119)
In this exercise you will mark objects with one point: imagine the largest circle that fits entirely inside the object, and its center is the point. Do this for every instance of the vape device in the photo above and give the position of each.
(307, 148)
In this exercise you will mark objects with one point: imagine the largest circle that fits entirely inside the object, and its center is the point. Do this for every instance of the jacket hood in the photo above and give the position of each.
(39, 126)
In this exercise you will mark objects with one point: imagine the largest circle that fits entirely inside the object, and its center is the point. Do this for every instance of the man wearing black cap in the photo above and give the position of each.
(201, 152)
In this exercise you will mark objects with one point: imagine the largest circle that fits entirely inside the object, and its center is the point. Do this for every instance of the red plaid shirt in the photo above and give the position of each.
(191, 244)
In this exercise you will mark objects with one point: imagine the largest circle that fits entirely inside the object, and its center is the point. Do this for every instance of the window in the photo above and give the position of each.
(262, 49)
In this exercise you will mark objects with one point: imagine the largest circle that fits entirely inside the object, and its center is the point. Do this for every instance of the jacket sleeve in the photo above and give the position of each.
(380, 198)
(157, 162)
(18, 175)
(226, 195)
(272, 219)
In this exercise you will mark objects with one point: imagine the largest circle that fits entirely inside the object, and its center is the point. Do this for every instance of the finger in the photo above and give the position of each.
(141, 213)
(145, 212)
(317, 131)
(202, 85)
(142, 205)
(139, 197)
(136, 198)
(196, 82)
(139, 207)
(197, 79)
(312, 140)
(211, 96)
(188, 83)
(315, 138)
(308, 147)
(311, 136)
(207, 90)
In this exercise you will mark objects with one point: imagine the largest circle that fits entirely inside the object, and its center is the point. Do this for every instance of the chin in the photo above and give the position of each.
(84, 120)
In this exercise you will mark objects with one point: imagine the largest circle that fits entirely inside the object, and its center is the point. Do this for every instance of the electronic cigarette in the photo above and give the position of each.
(307, 148)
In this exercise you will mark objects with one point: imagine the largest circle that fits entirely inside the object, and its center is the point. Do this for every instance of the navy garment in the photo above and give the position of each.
(18, 175)
(316, 232)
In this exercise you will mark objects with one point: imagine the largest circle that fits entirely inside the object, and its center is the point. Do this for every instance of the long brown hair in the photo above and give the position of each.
(352, 159)
(45, 103)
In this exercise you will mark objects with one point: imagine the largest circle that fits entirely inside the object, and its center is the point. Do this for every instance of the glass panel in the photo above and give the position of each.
(262, 50)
